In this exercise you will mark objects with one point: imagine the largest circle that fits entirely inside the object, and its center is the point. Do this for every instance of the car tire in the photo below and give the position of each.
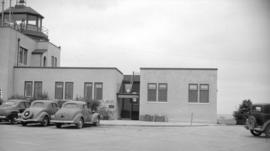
(255, 133)
(45, 121)
(13, 118)
(267, 131)
(97, 123)
(58, 125)
(24, 124)
(80, 123)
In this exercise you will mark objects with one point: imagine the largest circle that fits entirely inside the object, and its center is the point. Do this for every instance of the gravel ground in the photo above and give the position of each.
(129, 138)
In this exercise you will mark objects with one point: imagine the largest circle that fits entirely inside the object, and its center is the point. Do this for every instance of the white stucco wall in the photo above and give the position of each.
(110, 78)
(177, 108)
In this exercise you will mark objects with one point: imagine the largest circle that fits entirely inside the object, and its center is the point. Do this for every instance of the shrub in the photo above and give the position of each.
(43, 96)
(105, 113)
(1, 101)
(242, 113)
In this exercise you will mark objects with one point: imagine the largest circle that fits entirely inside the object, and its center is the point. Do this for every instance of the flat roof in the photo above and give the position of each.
(89, 68)
(152, 68)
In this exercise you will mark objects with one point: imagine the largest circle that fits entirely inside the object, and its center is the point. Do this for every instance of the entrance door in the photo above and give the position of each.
(130, 109)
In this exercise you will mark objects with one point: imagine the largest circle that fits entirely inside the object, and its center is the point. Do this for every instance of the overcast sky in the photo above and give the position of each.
(231, 35)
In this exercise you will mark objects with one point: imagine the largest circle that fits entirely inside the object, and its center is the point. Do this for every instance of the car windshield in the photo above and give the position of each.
(9, 103)
(38, 104)
(72, 105)
(257, 108)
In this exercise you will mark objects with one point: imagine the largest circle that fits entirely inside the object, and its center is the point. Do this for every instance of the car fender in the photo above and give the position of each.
(77, 117)
(265, 125)
(42, 115)
(95, 117)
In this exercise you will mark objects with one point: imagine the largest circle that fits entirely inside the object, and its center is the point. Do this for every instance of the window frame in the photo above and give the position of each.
(62, 95)
(35, 88)
(148, 96)
(158, 92)
(208, 89)
(95, 90)
(197, 98)
(85, 93)
(66, 83)
(31, 91)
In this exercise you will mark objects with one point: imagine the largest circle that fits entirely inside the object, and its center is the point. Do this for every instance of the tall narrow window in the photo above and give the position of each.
(98, 91)
(193, 93)
(69, 90)
(44, 62)
(152, 92)
(25, 56)
(162, 92)
(204, 93)
(52, 61)
(28, 88)
(88, 91)
(21, 56)
(59, 87)
(55, 62)
(37, 89)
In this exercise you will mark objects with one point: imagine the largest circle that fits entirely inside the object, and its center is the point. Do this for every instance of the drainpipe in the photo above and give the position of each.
(9, 16)
(18, 51)
(3, 3)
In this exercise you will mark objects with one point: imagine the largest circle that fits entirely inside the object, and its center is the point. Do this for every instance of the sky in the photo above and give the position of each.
(231, 35)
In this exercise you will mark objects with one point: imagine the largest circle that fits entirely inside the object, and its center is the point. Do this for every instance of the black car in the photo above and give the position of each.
(258, 121)
(9, 110)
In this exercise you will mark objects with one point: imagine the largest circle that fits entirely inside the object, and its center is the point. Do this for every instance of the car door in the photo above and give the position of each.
(86, 114)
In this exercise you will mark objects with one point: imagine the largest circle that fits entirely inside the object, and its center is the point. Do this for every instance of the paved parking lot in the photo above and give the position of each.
(129, 138)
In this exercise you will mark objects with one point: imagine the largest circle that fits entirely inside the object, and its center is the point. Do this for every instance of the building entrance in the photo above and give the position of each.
(129, 108)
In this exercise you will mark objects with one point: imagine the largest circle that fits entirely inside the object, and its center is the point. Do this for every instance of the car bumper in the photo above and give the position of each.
(63, 121)
(28, 120)
(3, 117)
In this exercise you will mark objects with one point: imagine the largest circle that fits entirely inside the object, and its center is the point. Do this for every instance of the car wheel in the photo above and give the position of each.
(255, 133)
(24, 124)
(97, 123)
(267, 131)
(58, 125)
(13, 118)
(80, 123)
(45, 121)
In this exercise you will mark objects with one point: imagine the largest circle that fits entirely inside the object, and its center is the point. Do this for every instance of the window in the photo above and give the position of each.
(44, 62)
(98, 91)
(25, 56)
(69, 90)
(204, 93)
(55, 62)
(52, 60)
(59, 87)
(37, 89)
(88, 91)
(23, 53)
(193, 93)
(152, 91)
(28, 88)
(162, 92)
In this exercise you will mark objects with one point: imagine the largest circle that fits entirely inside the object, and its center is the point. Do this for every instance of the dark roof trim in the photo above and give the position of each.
(143, 68)
(89, 68)
(39, 51)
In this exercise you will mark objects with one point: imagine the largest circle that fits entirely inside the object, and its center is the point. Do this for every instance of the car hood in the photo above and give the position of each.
(4, 111)
(35, 111)
(66, 114)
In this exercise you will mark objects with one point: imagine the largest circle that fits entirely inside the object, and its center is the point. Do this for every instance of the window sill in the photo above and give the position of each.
(156, 102)
(198, 103)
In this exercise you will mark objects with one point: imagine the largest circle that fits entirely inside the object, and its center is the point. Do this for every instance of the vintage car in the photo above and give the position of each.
(75, 112)
(9, 110)
(258, 121)
(40, 111)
